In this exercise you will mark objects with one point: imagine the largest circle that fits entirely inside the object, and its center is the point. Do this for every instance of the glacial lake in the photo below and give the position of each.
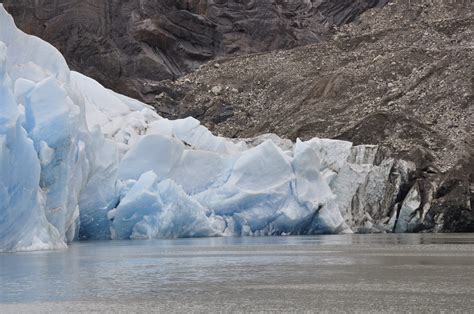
(337, 273)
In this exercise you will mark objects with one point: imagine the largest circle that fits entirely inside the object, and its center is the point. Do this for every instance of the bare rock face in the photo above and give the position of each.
(130, 45)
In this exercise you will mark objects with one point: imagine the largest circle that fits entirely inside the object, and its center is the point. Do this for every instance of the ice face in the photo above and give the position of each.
(80, 161)
(23, 224)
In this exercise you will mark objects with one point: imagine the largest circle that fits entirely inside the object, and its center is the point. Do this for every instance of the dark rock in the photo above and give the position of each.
(224, 112)
(452, 208)
(127, 44)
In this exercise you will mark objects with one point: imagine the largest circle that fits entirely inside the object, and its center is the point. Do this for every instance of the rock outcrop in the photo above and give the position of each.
(130, 45)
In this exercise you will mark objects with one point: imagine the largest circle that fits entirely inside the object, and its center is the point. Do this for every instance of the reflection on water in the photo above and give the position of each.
(343, 272)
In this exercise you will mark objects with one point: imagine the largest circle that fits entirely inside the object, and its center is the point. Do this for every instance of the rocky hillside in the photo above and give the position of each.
(401, 77)
(130, 45)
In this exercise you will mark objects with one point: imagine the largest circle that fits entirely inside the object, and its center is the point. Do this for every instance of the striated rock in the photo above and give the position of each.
(129, 46)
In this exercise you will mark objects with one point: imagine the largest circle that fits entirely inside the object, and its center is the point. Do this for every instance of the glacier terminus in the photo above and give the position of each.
(79, 161)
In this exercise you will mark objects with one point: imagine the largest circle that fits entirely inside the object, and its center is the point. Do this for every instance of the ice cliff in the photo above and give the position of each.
(78, 161)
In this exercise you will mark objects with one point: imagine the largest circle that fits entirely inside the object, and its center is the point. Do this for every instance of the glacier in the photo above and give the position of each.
(79, 161)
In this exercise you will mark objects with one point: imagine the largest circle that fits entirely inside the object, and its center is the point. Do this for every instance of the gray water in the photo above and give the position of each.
(342, 273)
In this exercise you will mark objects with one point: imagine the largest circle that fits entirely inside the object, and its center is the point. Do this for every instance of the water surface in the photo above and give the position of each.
(356, 273)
